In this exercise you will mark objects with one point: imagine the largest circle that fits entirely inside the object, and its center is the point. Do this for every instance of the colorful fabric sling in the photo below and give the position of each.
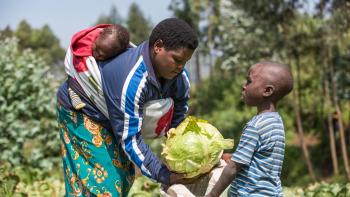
(81, 65)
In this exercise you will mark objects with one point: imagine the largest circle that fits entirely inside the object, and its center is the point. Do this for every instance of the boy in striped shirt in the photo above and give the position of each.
(254, 169)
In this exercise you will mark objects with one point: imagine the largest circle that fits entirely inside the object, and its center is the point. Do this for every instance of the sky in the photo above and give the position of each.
(65, 17)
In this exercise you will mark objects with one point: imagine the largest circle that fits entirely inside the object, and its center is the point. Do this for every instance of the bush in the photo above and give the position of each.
(27, 109)
(27, 181)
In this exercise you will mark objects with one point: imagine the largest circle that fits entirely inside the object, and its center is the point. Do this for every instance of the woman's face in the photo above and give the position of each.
(168, 64)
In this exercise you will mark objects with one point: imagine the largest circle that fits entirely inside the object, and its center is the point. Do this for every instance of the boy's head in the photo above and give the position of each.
(172, 43)
(112, 40)
(267, 82)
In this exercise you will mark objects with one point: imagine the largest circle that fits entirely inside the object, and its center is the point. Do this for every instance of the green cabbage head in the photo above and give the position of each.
(194, 147)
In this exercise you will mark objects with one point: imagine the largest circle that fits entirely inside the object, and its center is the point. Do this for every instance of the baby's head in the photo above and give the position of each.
(267, 81)
(112, 41)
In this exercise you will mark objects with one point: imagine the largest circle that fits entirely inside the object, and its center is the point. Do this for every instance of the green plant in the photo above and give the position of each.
(27, 108)
(144, 187)
(194, 147)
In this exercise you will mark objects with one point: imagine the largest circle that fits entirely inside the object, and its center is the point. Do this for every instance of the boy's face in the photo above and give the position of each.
(168, 64)
(253, 89)
(102, 48)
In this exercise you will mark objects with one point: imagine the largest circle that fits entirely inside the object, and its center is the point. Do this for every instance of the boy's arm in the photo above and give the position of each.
(242, 156)
(228, 174)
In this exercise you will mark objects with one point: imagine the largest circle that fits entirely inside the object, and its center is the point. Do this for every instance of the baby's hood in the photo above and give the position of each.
(82, 41)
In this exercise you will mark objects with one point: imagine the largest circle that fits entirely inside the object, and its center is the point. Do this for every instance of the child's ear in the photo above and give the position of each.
(269, 90)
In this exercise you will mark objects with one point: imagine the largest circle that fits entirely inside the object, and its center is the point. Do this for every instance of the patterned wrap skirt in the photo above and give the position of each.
(94, 163)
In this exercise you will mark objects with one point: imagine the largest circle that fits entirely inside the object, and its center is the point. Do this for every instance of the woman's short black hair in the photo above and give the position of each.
(175, 33)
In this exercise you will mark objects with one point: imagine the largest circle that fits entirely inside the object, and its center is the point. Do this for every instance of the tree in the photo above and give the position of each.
(23, 33)
(340, 25)
(138, 25)
(282, 30)
(330, 115)
(46, 45)
(41, 41)
(27, 117)
(298, 116)
(189, 11)
(335, 39)
(274, 31)
(207, 13)
(7, 32)
(112, 18)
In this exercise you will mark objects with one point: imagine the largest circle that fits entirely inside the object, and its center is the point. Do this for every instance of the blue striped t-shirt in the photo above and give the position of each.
(261, 151)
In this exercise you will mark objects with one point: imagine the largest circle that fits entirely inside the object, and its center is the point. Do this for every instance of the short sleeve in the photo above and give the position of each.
(247, 145)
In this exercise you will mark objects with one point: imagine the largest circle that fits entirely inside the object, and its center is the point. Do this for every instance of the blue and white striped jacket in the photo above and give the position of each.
(129, 81)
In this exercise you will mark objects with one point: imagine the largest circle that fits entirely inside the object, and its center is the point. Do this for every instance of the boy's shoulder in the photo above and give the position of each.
(264, 119)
